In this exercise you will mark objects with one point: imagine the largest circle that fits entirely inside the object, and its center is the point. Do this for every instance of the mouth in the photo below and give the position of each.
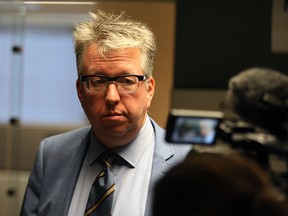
(112, 116)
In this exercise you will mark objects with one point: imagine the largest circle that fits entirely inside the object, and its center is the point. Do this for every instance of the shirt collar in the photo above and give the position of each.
(95, 149)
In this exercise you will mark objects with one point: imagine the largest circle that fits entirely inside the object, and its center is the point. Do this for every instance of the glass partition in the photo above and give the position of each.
(37, 62)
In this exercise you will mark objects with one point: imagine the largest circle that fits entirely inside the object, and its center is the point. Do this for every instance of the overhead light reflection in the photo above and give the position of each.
(49, 3)
(60, 2)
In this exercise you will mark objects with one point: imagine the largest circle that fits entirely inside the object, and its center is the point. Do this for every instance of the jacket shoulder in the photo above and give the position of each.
(67, 140)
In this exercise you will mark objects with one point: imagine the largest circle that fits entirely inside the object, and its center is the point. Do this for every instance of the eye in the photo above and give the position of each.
(129, 80)
(97, 81)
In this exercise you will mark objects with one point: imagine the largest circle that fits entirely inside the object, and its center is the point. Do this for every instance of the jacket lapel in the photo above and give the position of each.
(163, 152)
(165, 157)
(71, 176)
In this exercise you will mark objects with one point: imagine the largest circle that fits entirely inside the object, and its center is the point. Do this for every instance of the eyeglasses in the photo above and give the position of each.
(125, 83)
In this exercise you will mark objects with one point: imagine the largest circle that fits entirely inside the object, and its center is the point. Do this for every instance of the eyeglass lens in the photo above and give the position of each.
(125, 84)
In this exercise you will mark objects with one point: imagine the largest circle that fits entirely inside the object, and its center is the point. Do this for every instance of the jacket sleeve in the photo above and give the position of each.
(30, 203)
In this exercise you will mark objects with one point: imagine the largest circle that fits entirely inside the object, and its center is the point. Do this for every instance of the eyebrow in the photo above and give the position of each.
(105, 74)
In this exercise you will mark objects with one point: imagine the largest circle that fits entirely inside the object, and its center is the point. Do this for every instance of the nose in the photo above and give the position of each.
(112, 95)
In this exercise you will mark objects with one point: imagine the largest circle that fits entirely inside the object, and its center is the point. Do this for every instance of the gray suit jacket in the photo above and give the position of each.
(58, 163)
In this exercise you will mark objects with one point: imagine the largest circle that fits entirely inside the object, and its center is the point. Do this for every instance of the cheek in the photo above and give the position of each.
(90, 104)
(138, 104)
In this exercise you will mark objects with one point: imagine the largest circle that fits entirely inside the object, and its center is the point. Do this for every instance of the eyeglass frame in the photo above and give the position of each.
(85, 78)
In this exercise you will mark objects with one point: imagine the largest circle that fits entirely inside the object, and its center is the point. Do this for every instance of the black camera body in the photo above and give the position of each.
(204, 127)
(208, 129)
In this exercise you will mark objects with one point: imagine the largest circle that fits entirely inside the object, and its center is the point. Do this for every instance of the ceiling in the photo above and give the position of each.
(51, 13)
(45, 12)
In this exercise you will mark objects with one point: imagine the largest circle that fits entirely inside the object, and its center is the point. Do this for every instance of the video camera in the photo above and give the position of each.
(258, 98)
(211, 131)
(203, 127)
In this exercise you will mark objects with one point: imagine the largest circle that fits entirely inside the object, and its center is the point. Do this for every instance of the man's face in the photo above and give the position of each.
(116, 117)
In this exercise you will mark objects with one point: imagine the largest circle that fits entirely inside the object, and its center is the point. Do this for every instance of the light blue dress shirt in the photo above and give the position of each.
(132, 181)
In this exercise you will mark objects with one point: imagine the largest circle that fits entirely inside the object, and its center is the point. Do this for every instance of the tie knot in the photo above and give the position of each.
(108, 158)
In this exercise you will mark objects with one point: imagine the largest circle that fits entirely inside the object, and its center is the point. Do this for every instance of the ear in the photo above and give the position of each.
(150, 89)
(79, 88)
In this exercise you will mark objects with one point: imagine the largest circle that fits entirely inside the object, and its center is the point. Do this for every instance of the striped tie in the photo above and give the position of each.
(101, 195)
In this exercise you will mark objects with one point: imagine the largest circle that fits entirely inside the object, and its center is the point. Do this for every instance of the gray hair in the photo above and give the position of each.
(109, 32)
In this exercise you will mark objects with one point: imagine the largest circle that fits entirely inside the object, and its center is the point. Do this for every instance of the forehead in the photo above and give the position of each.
(126, 58)
(92, 54)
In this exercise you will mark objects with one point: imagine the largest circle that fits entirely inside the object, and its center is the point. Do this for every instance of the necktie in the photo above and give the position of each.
(101, 194)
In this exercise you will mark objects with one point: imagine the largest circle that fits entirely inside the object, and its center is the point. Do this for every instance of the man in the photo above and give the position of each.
(115, 87)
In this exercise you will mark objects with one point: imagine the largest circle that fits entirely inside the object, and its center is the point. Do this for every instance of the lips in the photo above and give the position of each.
(112, 116)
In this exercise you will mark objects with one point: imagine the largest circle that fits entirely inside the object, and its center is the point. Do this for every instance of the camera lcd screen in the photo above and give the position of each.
(193, 127)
